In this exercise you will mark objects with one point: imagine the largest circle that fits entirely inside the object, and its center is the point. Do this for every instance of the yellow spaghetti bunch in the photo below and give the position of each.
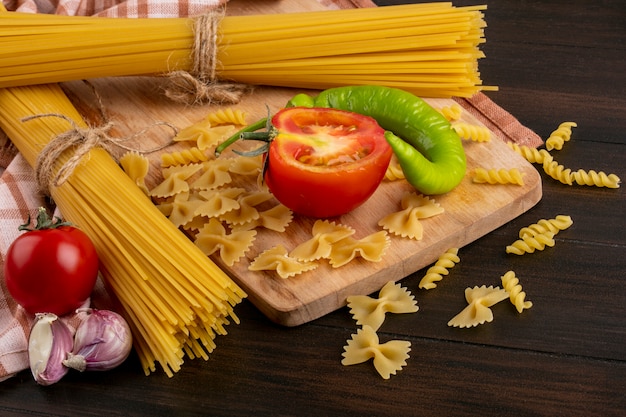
(175, 298)
(429, 49)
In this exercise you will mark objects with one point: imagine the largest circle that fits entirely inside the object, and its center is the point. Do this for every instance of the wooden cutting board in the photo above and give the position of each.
(471, 210)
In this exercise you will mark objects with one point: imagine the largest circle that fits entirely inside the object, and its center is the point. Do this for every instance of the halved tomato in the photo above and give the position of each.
(325, 162)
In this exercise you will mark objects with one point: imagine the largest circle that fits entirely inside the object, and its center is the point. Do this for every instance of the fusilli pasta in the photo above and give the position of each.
(528, 244)
(472, 132)
(452, 112)
(511, 284)
(498, 176)
(435, 273)
(560, 222)
(227, 116)
(532, 155)
(561, 135)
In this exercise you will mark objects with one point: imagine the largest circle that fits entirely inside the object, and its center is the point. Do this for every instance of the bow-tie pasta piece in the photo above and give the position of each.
(213, 238)
(175, 180)
(183, 208)
(136, 166)
(436, 272)
(388, 357)
(247, 211)
(511, 284)
(214, 176)
(218, 202)
(324, 233)
(371, 248)
(247, 165)
(276, 218)
(392, 298)
(406, 223)
(479, 300)
(277, 259)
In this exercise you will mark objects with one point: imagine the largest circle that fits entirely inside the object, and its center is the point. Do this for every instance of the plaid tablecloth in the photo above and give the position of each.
(18, 190)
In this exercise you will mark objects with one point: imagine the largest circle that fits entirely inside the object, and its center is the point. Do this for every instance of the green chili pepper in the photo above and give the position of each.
(430, 152)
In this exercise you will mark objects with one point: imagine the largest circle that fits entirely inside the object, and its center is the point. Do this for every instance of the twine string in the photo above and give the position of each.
(201, 85)
(81, 140)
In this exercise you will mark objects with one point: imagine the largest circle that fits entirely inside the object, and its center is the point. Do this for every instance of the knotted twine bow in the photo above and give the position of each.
(81, 140)
(200, 85)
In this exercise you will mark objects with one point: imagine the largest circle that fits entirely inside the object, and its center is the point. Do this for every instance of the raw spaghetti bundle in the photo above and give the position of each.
(429, 49)
(175, 298)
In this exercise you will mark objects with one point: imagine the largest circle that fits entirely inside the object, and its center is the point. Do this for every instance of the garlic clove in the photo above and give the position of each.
(49, 342)
(102, 342)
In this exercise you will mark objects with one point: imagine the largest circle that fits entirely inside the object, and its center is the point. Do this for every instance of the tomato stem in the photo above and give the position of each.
(43, 222)
(239, 135)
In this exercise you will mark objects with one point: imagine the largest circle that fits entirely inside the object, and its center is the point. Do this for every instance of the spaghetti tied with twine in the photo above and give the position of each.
(81, 140)
(200, 85)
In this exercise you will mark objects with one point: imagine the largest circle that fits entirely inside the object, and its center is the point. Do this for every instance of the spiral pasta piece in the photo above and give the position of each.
(561, 135)
(560, 222)
(558, 172)
(532, 155)
(436, 272)
(529, 244)
(472, 132)
(498, 176)
(227, 116)
(452, 112)
(593, 178)
(512, 286)
(184, 157)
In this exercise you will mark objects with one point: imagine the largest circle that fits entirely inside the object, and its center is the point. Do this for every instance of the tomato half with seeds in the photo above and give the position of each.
(325, 162)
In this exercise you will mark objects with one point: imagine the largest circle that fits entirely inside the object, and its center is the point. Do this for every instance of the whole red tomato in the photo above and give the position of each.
(325, 162)
(51, 268)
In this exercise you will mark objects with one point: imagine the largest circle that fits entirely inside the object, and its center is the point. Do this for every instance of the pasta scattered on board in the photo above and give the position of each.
(392, 298)
(227, 116)
(498, 176)
(406, 223)
(479, 299)
(435, 273)
(511, 284)
(370, 248)
(213, 237)
(324, 234)
(452, 112)
(277, 259)
(136, 166)
(473, 132)
(388, 358)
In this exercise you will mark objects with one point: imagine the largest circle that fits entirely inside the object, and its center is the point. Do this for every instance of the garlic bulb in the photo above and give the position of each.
(102, 341)
(49, 342)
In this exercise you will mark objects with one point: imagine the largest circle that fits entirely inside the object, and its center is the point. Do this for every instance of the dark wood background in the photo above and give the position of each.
(554, 61)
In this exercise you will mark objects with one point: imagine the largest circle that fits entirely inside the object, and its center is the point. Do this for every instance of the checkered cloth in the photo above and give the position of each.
(18, 189)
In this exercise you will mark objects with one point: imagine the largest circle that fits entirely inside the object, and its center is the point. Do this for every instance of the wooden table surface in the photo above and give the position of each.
(554, 61)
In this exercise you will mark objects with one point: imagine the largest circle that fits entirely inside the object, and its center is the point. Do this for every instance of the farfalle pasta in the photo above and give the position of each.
(478, 311)
(511, 285)
(246, 165)
(406, 223)
(388, 358)
(498, 176)
(213, 237)
(436, 272)
(276, 218)
(277, 259)
(217, 202)
(183, 208)
(175, 180)
(216, 173)
(559, 136)
(392, 298)
(468, 131)
(136, 166)
(371, 248)
(247, 211)
(324, 234)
